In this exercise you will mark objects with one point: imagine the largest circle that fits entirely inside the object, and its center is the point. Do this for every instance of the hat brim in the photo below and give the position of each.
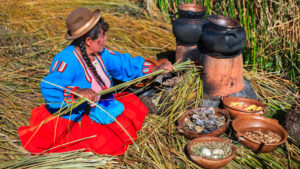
(95, 13)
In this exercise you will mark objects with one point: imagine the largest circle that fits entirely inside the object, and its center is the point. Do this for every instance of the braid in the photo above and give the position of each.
(94, 34)
(89, 63)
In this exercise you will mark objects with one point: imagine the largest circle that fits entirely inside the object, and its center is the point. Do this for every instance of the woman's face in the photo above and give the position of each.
(96, 45)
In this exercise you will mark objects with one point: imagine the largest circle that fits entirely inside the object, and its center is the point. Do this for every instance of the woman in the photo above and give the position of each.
(85, 67)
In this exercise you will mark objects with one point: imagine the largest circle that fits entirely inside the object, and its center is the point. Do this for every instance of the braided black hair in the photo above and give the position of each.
(93, 34)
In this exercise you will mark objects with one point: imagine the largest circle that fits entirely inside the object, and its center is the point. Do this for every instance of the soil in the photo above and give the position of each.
(292, 124)
(149, 104)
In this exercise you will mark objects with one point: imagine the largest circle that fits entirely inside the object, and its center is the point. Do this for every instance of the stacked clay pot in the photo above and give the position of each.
(222, 41)
(187, 28)
(222, 37)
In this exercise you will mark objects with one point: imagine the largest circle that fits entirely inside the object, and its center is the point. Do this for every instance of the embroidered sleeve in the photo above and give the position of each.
(147, 67)
(56, 87)
(124, 67)
(69, 96)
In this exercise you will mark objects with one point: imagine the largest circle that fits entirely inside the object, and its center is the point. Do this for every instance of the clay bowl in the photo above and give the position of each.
(207, 162)
(242, 124)
(235, 111)
(190, 134)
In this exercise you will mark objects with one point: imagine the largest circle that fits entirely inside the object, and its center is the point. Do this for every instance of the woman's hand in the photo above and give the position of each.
(87, 93)
(167, 65)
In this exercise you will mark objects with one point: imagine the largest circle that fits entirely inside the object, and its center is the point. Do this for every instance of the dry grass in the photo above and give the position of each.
(31, 34)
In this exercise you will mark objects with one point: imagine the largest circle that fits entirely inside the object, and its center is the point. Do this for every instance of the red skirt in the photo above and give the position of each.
(51, 134)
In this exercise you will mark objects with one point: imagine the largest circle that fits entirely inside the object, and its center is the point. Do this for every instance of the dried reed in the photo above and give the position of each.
(31, 33)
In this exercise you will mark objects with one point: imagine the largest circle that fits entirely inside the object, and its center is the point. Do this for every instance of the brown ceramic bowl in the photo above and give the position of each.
(242, 124)
(191, 134)
(235, 111)
(207, 162)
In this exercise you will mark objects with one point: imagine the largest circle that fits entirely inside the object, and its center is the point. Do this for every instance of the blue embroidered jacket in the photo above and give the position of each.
(68, 70)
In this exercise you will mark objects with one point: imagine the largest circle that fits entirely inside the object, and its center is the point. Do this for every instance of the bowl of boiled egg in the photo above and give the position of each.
(211, 152)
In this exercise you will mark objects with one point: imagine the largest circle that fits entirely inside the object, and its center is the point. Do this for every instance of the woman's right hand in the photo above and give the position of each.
(167, 65)
(87, 93)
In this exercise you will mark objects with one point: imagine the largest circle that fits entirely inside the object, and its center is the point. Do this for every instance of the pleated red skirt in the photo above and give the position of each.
(51, 134)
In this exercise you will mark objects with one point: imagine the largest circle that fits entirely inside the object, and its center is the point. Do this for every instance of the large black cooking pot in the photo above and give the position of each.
(222, 37)
(187, 31)
(191, 11)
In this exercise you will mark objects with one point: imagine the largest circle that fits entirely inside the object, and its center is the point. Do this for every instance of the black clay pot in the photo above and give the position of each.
(191, 11)
(188, 31)
(222, 37)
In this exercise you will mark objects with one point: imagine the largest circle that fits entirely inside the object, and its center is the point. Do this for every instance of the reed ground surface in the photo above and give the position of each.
(31, 34)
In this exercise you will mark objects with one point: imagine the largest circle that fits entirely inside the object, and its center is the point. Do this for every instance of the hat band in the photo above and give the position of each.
(84, 27)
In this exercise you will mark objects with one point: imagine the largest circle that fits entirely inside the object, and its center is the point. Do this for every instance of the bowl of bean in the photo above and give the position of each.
(258, 133)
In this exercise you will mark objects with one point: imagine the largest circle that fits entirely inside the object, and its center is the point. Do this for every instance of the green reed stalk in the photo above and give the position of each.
(207, 5)
(180, 66)
(231, 8)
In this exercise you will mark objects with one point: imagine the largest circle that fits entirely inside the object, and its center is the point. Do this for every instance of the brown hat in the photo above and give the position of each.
(80, 21)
